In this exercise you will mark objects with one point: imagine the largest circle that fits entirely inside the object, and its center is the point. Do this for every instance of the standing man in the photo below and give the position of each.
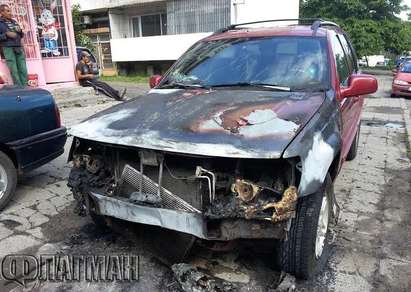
(10, 41)
(87, 78)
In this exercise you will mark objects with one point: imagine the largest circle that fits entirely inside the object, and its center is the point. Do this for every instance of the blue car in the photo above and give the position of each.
(31, 134)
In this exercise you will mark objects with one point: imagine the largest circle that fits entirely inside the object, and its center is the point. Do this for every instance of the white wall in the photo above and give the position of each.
(255, 10)
(90, 5)
(171, 47)
(155, 48)
(119, 25)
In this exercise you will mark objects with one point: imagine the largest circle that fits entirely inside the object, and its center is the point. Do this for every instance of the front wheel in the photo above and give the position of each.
(305, 251)
(8, 179)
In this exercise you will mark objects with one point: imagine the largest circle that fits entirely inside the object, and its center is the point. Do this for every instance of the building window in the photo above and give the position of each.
(149, 25)
(135, 22)
(52, 35)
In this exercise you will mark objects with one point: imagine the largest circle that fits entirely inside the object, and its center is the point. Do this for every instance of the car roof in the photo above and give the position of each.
(278, 30)
(304, 27)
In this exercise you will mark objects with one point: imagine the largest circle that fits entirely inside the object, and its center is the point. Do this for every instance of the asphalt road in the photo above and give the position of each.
(370, 247)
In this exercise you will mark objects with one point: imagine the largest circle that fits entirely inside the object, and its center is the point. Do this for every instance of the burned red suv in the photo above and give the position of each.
(241, 139)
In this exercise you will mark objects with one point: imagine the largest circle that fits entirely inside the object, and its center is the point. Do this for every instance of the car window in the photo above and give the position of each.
(351, 58)
(406, 68)
(300, 63)
(340, 61)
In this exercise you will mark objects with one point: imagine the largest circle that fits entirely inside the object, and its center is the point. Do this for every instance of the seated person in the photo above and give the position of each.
(88, 78)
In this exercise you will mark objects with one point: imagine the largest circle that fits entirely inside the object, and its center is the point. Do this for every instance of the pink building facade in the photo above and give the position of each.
(48, 40)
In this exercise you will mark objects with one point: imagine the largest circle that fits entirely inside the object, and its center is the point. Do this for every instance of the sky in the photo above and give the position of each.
(404, 14)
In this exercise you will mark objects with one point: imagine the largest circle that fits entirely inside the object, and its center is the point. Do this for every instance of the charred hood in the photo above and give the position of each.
(224, 123)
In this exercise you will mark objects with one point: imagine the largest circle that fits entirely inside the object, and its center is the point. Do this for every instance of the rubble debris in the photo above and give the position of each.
(251, 206)
(287, 283)
(192, 279)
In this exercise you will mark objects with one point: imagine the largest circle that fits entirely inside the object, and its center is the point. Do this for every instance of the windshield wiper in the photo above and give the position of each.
(181, 85)
(255, 84)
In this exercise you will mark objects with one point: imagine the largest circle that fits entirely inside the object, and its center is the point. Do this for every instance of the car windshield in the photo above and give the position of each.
(406, 68)
(278, 63)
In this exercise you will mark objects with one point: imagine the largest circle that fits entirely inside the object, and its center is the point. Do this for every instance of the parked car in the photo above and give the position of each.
(242, 138)
(93, 59)
(402, 60)
(401, 84)
(30, 135)
(362, 63)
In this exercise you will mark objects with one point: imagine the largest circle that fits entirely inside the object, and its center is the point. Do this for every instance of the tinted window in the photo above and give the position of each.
(341, 61)
(300, 63)
(352, 61)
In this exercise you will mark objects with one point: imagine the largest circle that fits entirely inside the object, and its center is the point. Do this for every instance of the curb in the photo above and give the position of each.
(378, 72)
(78, 97)
(407, 120)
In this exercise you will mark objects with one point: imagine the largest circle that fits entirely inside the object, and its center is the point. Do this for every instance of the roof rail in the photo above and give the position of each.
(316, 23)
(319, 23)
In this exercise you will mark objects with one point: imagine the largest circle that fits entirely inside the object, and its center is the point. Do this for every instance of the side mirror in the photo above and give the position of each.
(155, 80)
(360, 84)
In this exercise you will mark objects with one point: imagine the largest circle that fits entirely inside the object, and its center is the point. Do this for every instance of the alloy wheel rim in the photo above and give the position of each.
(3, 181)
(322, 227)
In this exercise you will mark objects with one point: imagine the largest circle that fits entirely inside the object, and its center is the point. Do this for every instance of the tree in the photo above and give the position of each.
(397, 36)
(365, 36)
(360, 9)
(82, 39)
(373, 25)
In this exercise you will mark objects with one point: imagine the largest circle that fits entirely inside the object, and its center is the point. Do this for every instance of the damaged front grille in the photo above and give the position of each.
(145, 187)
(219, 188)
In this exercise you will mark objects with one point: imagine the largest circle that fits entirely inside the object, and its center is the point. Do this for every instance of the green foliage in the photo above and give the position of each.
(372, 25)
(365, 35)
(82, 40)
(359, 9)
(141, 78)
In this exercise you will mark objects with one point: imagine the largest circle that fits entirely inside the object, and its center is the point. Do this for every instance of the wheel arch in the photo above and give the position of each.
(10, 153)
(335, 166)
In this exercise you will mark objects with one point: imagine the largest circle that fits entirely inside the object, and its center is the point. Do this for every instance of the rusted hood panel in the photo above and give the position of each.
(224, 123)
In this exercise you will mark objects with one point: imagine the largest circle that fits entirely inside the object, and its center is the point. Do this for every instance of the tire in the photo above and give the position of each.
(354, 146)
(99, 221)
(393, 95)
(8, 180)
(301, 255)
(82, 210)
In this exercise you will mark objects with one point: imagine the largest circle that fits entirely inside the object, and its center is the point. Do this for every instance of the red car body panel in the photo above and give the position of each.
(404, 90)
(350, 109)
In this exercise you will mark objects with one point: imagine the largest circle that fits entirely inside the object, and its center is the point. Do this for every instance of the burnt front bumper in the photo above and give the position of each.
(192, 223)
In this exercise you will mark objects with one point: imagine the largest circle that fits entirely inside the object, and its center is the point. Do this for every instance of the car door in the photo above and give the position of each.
(350, 108)
(358, 101)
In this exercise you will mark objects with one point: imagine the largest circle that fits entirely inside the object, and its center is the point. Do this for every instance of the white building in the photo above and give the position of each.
(140, 35)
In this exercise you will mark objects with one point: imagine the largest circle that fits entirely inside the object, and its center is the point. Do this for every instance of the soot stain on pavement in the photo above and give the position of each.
(80, 236)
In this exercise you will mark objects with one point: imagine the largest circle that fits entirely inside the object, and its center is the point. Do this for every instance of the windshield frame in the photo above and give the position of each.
(328, 84)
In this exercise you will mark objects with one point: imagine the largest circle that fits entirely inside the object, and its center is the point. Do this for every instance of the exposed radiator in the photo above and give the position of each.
(138, 180)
